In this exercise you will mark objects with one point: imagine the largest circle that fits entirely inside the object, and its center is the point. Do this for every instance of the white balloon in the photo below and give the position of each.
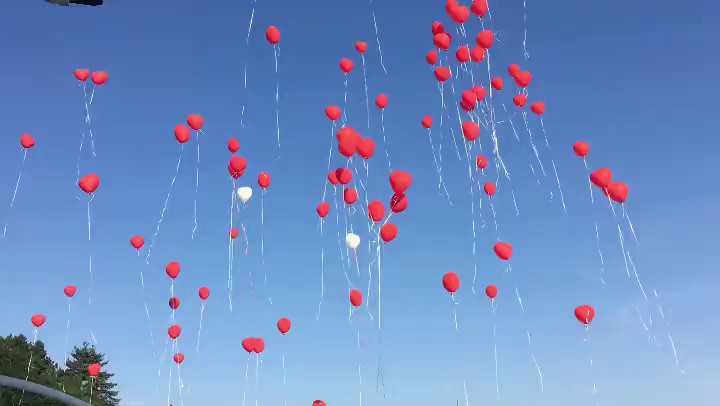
(352, 240)
(244, 194)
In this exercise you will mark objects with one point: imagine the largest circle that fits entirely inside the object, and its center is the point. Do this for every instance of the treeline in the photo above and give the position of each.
(16, 352)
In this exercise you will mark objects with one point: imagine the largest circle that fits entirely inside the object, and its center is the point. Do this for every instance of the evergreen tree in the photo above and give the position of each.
(76, 375)
(15, 355)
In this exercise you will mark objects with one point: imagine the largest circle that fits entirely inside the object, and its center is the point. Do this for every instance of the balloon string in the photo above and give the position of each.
(337, 224)
(202, 311)
(77, 164)
(247, 46)
(467, 402)
(169, 383)
(602, 262)
(524, 43)
(276, 52)
(493, 305)
(457, 149)
(387, 150)
(87, 117)
(197, 186)
(27, 375)
(367, 100)
(667, 328)
(332, 134)
(231, 250)
(17, 185)
(590, 359)
(165, 206)
(344, 115)
(377, 37)
(147, 314)
(532, 143)
(529, 337)
(67, 340)
(452, 297)
(622, 247)
(557, 179)
(322, 270)
(247, 368)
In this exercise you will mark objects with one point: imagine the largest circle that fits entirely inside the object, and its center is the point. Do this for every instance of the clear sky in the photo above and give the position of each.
(636, 81)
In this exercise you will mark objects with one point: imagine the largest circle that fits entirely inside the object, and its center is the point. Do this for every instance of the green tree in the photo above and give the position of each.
(76, 376)
(15, 355)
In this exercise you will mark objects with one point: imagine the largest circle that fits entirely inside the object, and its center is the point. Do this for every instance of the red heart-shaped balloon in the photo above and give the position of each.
(89, 183)
(174, 331)
(459, 14)
(366, 148)
(469, 97)
(70, 291)
(471, 131)
(347, 146)
(361, 47)
(462, 54)
(284, 325)
(617, 191)
(350, 196)
(272, 34)
(477, 54)
(237, 166)
(497, 83)
(376, 210)
(319, 403)
(195, 121)
(388, 232)
(204, 293)
(259, 344)
(99, 78)
(333, 112)
(174, 303)
(432, 57)
(332, 178)
(513, 70)
(442, 73)
(485, 39)
(182, 133)
(450, 5)
(581, 148)
(381, 101)
(479, 8)
(489, 188)
(442, 41)
(137, 242)
(233, 145)
(585, 314)
(355, 298)
(179, 358)
(264, 180)
(173, 269)
(400, 181)
(234, 233)
(94, 369)
(82, 74)
(520, 100)
(38, 320)
(346, 65)
(27, 141)
(398, 203)
(601, 177)
(523, 78)
(538, 108)
(480, 92)
(503, 250)
(323, 209)
(427, 122)
(491, 291)
(481, 162)
(451, 282)
(437, 28)
(247, 344)
(344, 175)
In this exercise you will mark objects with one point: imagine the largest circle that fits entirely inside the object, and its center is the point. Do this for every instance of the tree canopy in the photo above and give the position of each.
(16, 353)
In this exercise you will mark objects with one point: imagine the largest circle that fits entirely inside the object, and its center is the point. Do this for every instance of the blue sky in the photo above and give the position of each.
(634, 81)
